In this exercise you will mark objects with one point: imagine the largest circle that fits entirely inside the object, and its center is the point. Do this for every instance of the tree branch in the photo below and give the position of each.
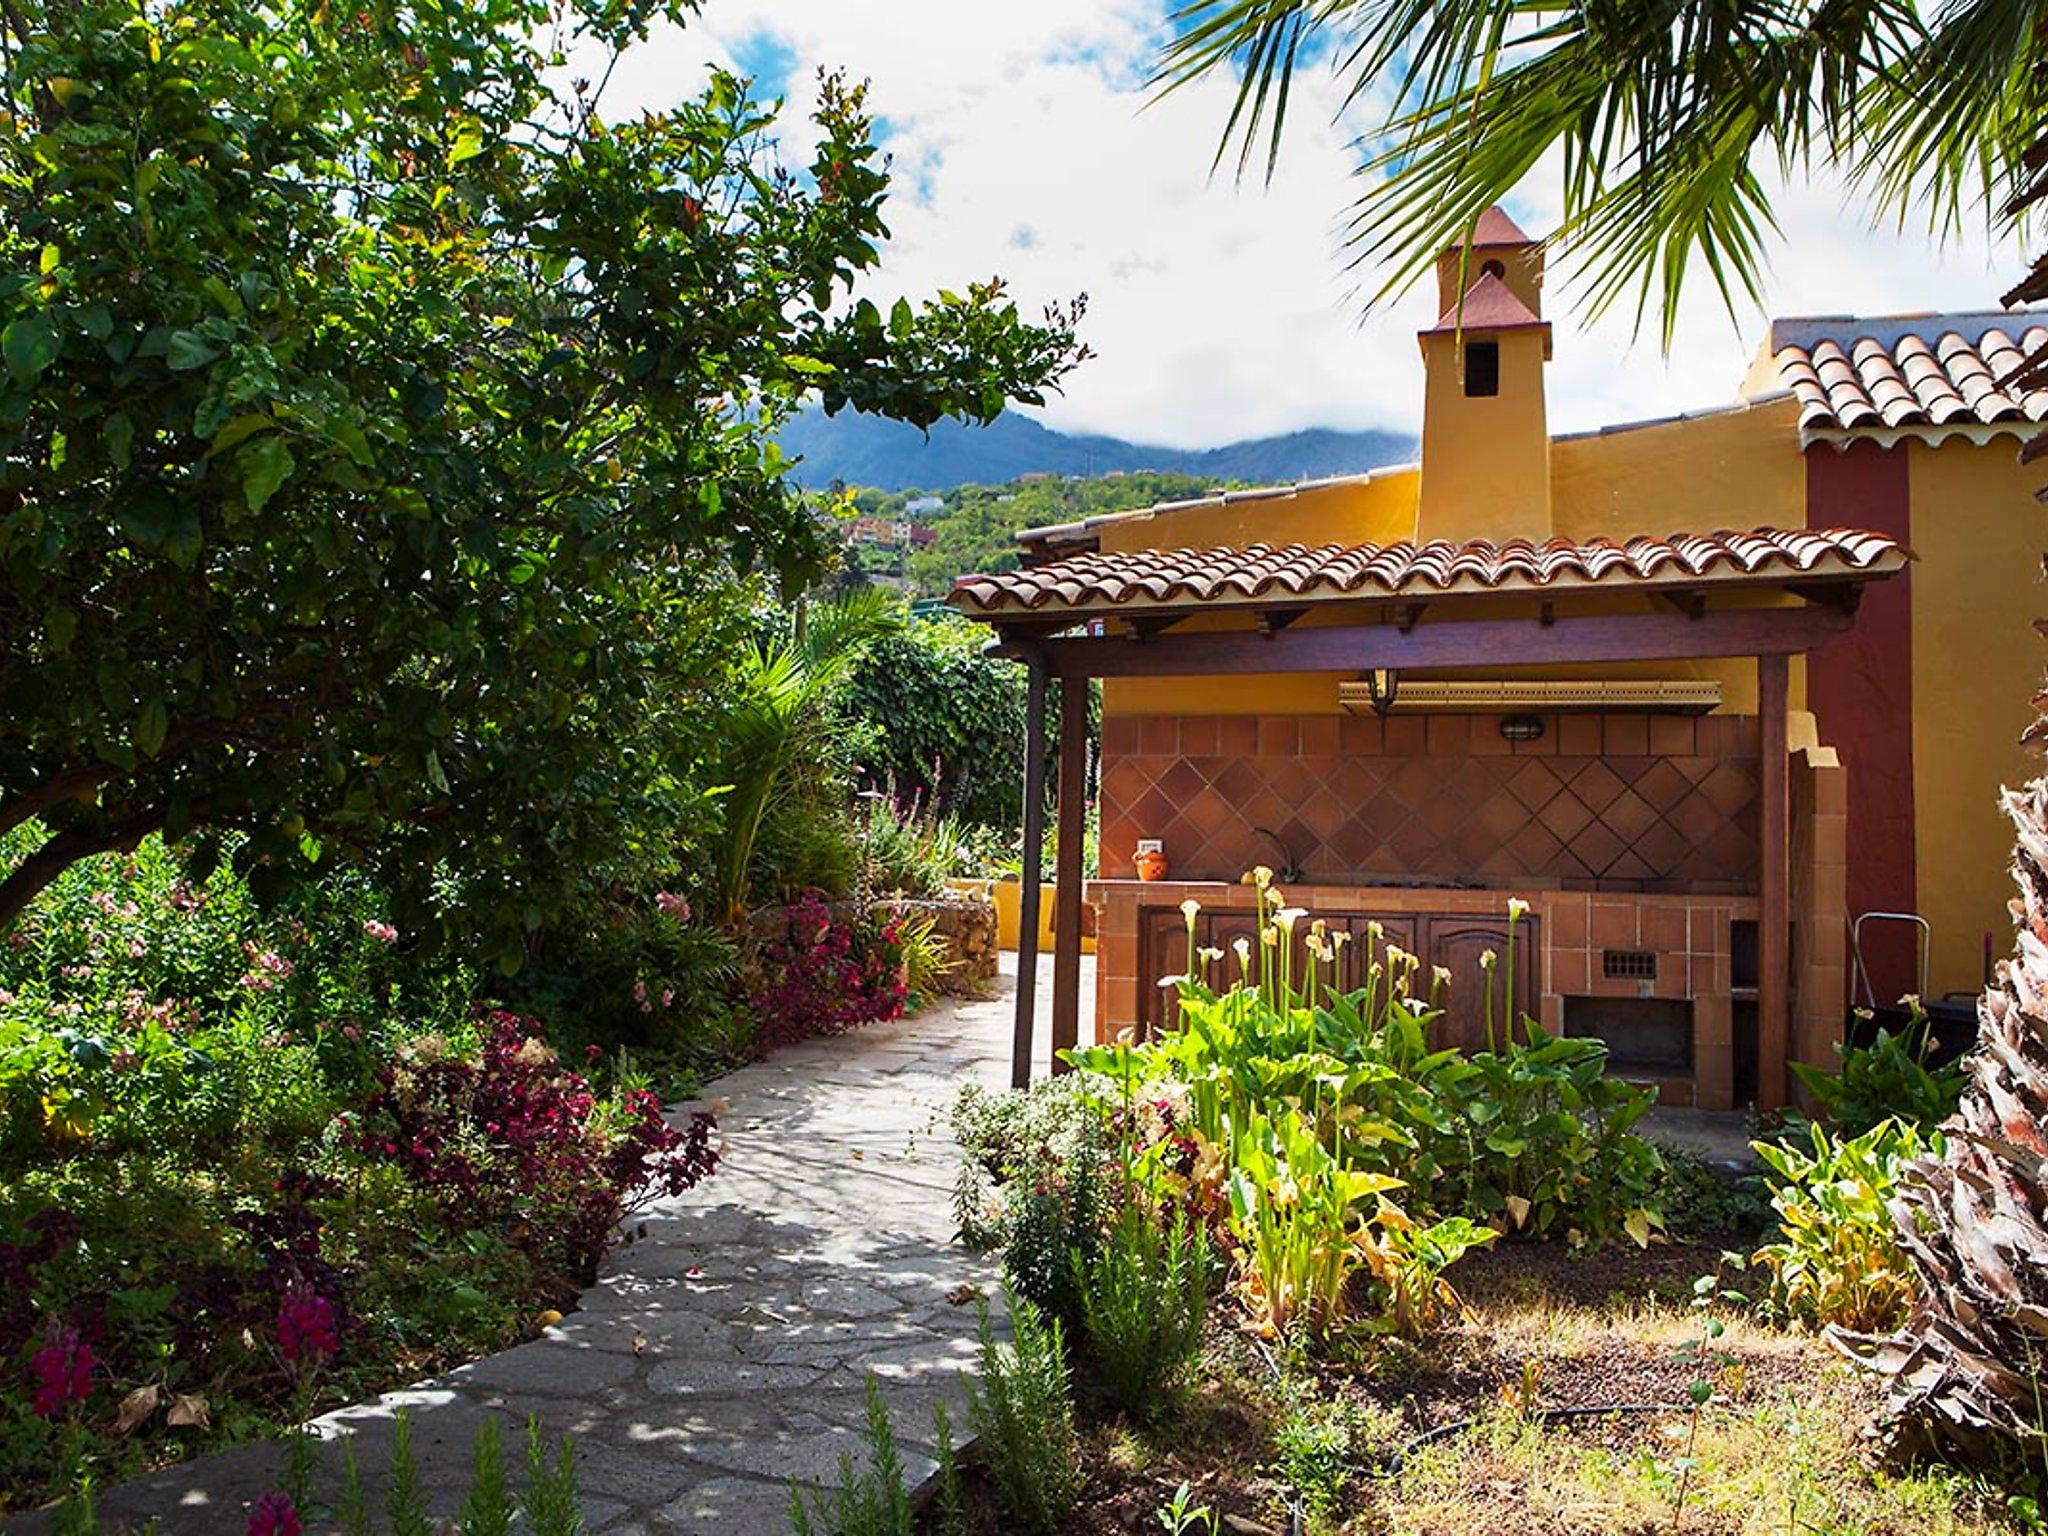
(28, 878)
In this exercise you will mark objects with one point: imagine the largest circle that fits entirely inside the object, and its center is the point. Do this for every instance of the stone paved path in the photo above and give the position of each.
(724, 1353)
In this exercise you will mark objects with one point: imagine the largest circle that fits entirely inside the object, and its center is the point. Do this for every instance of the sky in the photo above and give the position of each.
(1026, 142)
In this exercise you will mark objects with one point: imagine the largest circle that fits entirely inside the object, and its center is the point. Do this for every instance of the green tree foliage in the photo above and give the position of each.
(942, 722)
(382, 433)
(780, 720)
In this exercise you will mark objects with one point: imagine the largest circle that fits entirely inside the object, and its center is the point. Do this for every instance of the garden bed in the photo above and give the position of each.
(1779, 1447)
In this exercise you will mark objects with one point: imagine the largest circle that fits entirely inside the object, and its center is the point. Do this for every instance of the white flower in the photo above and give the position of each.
(1262, 875)
(1517, 909)
(1440, 975)
(1488, 960)
(1190, 909)
(1287, 917)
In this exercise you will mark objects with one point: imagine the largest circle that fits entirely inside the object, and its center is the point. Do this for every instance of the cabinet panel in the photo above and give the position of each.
(1457, 944)
(1163, 951)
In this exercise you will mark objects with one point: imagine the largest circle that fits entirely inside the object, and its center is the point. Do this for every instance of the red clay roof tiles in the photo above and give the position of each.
(1488, 305)
(1926, 372)
(1494, 227)
(1263, 574)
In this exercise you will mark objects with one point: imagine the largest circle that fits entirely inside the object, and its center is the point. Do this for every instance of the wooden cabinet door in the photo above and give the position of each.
(1457, 944)
(1359, 954)
(1163, 951)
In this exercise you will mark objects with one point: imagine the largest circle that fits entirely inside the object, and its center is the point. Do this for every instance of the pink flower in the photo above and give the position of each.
(274, 1515)
(61, 1369)
(640, 997)
(383, 933)
(305, 1328)
(670, 904)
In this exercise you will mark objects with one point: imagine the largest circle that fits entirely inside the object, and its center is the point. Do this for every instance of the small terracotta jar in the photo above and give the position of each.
(1151, 864)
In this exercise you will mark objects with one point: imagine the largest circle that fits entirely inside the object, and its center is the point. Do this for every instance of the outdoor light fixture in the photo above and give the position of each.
(1521, 727)
(1381, 684)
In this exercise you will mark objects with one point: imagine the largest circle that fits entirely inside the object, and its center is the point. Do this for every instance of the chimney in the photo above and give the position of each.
(1485, 431)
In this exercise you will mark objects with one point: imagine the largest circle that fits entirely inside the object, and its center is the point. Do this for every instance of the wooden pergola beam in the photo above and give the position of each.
(1028, 886)
(1569, 639)
(1774, 905)
(1068, 875)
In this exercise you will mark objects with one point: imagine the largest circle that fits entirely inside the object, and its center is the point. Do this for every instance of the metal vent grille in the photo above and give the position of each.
(1628, 964)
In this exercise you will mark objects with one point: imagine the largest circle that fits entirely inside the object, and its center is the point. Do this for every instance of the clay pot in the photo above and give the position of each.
(1151, 864)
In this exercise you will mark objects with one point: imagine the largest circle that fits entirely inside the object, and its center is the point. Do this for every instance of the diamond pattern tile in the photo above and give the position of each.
(1584, 819)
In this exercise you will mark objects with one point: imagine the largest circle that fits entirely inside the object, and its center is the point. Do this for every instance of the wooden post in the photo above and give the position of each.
(1068, 874)
(1027, 895)
(1774, 969)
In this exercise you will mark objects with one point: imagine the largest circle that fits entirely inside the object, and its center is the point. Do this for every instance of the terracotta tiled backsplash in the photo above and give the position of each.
(1624, 802)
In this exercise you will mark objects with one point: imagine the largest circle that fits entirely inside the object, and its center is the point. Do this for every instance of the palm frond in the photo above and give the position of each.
(1665, 114)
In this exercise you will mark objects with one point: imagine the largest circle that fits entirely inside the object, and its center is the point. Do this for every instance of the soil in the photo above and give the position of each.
(1219, 1438)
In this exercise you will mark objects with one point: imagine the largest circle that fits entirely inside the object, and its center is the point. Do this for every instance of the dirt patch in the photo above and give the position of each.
(1554, 1273)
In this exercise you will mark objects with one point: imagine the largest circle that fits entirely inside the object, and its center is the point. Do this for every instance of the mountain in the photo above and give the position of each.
(864, 450)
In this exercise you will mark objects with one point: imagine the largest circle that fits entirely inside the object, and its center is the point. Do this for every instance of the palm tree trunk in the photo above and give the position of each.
(1966, 1370)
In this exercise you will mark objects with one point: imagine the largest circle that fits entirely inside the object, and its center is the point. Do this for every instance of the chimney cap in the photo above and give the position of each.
(1494, 227)
(1488, 305)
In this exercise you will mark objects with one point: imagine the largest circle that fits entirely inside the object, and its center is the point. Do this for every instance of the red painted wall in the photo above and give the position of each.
(1860, 689)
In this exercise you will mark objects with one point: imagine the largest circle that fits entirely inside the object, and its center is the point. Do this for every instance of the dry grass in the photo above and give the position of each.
(1779, 1451)
(1792, 1466)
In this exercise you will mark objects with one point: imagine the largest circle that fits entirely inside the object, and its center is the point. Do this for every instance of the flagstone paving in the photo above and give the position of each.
(724, 1353)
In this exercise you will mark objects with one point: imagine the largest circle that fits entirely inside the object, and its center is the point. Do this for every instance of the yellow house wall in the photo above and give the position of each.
(1731, 469)
(1976, 664)
(1735, 469)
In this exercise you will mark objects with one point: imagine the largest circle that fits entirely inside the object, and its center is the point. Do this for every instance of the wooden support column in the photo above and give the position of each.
(1067, 872)
(1774, 969)
(1027, 895)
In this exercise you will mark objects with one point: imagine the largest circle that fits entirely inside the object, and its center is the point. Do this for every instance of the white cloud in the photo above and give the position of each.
(1024, 144)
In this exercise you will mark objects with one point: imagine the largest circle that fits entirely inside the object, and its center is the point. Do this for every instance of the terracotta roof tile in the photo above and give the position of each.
(1925, 372)
(1268, 574)
(1496, 228)
(1488, 305)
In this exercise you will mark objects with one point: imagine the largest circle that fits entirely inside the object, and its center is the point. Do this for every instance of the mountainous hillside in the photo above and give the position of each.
(889, 456)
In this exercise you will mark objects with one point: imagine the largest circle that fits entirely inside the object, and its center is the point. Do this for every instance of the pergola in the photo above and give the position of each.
(1378, 611)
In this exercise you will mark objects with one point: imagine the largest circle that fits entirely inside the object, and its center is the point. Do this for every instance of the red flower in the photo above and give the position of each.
(61, 1369)
(305, 1328)
(274, 1515)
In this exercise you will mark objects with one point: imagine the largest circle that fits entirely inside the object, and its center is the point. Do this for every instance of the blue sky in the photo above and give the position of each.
(1026, 143)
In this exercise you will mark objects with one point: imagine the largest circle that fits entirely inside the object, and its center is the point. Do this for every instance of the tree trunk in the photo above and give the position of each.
(28, 879)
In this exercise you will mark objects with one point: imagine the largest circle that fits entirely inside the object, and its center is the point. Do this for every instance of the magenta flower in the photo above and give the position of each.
(305, 1328)
(274, 1515)
(61, 1370)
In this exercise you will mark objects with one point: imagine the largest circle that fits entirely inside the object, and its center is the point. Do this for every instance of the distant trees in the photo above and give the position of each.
(976, 532)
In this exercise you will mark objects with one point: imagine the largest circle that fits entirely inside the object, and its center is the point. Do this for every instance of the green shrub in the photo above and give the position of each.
(1837, 1260)
(1698, 1200)
(1143, 1300)
(1034, 1183)
(1888, 1079)
(942, 722)
(1023, 1416)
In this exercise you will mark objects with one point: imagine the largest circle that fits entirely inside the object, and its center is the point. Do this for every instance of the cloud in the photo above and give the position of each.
(1026, 142)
